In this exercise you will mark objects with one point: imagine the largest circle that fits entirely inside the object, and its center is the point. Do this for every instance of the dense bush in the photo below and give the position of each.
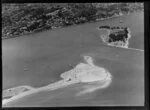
(18, 19)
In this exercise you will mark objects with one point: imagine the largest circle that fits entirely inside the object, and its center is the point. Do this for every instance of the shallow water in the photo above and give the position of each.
(39, 59)
(126, 88)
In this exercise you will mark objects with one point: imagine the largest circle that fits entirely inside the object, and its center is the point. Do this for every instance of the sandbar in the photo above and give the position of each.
(82, 73)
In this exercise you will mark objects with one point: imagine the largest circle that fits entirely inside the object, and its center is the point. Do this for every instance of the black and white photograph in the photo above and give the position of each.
(73, 54)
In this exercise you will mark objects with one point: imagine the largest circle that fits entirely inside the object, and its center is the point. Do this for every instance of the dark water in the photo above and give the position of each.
(39, 59)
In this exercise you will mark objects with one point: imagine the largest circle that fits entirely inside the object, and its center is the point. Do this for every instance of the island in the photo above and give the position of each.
(82, 73)
(116, 36)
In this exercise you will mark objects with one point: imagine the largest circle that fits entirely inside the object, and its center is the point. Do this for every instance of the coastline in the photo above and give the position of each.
(53, 28)
(101, 19)
(82, 73)
(30, 33)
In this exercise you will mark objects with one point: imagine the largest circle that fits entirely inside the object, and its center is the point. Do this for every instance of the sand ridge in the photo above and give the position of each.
(82, 73)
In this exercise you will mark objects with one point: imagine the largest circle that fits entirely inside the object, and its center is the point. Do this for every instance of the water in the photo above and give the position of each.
(46, 55)
(126, 88)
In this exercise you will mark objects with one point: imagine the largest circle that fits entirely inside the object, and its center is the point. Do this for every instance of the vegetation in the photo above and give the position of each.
(120, 35)
(117, 36)
(20, 19)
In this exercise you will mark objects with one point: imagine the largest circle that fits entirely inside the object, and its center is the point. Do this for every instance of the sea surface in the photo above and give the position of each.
(39, 59)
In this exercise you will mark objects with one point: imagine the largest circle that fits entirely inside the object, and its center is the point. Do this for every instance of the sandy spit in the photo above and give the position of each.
(83, 73)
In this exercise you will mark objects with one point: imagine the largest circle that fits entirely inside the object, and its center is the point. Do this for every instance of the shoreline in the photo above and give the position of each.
(83, 73)
(97, 20)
